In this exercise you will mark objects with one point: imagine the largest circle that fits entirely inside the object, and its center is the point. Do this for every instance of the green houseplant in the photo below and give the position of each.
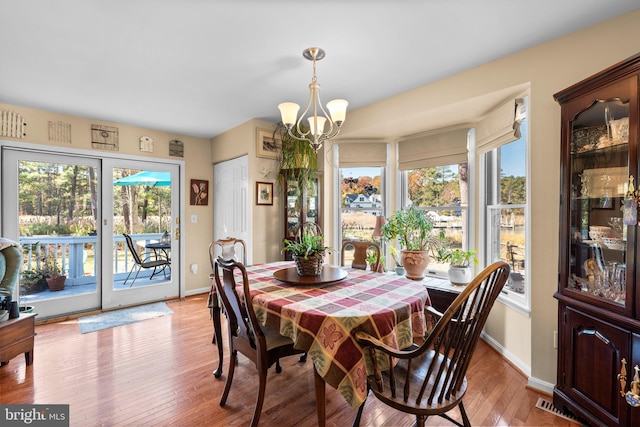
(460, 270)
(399, 268)
(373, 265)
(413, 229)
(296, 159)
(50, 269)
(308, 252)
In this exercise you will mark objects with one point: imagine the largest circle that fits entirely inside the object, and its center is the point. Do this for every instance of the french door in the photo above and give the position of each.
(146, 196)
(68, 210)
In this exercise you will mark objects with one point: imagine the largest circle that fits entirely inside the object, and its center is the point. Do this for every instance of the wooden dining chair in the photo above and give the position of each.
(359, 253)
(430, 378)
(262, 346)
(156, 261)
(228, 249)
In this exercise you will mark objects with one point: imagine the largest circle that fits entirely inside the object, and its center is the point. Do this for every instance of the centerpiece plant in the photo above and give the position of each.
(308, 252)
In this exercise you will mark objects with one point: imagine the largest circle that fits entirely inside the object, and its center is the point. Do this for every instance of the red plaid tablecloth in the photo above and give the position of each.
(323, 319)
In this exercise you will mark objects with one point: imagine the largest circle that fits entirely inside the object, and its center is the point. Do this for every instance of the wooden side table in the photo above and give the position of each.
(16, 336)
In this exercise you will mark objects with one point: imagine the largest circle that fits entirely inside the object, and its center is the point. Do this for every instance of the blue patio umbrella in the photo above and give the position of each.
(150, 178)
(147, 178)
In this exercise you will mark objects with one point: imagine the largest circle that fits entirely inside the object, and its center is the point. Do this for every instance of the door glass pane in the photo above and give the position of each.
(599, 177)
(142, 210)
(57, 227)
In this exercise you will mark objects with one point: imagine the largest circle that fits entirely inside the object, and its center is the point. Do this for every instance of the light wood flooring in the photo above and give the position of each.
(158, 372)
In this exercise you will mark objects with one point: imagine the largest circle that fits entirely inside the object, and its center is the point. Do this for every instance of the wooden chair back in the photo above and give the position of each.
(228, 249)
(360, 253)
(244, 329)
(430, 379)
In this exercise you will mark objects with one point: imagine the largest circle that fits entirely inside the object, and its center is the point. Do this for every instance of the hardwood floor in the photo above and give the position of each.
(158, 372)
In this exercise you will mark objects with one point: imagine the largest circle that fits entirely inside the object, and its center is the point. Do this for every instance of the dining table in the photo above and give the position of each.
(322, 317)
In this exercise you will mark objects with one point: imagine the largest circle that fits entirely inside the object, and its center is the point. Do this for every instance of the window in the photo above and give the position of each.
(360, 202)
(443, 192)
(505, 201)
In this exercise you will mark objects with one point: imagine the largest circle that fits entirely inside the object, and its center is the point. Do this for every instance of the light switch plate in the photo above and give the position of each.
(194, 219)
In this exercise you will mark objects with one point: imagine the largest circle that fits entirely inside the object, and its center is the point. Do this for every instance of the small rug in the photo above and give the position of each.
(550, 407)
(121, 317)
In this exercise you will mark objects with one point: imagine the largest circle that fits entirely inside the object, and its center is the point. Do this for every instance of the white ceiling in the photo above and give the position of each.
(201, 67)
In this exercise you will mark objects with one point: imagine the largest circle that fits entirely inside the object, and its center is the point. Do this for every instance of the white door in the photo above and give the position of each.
(231, 201)
(141, 200)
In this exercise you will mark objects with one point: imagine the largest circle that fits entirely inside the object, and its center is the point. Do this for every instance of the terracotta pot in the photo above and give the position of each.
(56, 283)
(415, 263)
(460, 275)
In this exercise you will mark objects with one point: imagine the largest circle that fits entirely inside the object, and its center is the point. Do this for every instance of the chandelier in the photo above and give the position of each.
(322, 126)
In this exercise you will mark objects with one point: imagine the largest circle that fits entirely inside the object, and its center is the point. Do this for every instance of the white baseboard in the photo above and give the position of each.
(532, 382)
(204, 290)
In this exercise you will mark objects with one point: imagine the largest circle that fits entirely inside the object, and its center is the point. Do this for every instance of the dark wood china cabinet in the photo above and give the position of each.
(303, 204)
(599, 286)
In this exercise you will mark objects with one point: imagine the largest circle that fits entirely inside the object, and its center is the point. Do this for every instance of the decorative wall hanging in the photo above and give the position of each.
(59, 132)
(199, 192)
(104, 138)
(264, 193)
(267, 146)
(146, 144)
(176, 148)
(12, 124)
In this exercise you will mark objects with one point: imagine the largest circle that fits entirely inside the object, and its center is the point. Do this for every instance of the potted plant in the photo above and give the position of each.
(460, 269)
(53, 274)
(308, 253)
(296, 159)
(373, 265)
(414, 230)
(33, 281)
(399, 268)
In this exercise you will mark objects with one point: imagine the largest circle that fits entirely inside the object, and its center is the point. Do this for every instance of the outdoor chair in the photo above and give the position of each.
(360, 253)
(155, 261)
(430, 377)
(262, 346)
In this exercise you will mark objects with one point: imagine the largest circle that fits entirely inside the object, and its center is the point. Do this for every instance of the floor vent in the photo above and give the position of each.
(549, 407)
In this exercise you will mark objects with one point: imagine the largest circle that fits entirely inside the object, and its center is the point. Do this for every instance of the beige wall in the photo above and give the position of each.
(197, 152)
(548, 68)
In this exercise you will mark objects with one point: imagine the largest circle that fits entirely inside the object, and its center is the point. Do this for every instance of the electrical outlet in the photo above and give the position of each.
(555, 339)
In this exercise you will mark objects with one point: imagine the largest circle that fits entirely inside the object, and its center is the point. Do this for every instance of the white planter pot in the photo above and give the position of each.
(460, 275)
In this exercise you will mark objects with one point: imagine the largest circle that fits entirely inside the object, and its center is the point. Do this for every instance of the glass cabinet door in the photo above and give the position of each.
(599, 179)
(294, 206)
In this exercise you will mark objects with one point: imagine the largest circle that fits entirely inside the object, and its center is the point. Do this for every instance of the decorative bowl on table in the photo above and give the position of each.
(613, 243)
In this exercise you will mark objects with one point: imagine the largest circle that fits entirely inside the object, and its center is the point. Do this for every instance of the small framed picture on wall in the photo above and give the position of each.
(264, 193)
(199, 192)
(267, 146)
